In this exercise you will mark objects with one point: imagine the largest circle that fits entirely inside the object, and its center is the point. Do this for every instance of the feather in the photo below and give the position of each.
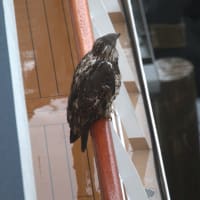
(96, 83)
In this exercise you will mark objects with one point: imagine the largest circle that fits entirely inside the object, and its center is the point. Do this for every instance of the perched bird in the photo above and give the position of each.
(95, 85)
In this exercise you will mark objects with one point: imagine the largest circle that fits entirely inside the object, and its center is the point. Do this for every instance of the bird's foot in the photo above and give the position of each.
(108, 114)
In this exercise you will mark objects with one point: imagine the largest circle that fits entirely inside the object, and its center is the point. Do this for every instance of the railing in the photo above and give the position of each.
(106, 161)
(100, 131)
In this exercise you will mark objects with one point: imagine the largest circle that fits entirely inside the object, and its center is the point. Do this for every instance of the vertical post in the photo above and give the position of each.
(16, 172)
(100, 131)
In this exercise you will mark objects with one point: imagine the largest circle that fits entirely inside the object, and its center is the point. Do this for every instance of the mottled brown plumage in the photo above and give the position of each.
(95, 84)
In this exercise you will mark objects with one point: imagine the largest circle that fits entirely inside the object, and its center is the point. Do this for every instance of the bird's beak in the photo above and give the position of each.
(115, 38)
(118, 34)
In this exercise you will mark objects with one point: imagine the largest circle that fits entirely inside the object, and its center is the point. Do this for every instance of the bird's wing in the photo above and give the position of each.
(97, 89)
(91, 98)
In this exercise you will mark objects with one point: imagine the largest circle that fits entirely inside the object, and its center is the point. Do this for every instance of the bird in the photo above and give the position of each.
(95, 84)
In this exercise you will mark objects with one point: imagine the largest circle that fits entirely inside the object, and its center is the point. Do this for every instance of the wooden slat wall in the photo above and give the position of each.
(42, 48)
(60, 44)
(71, 32)
(26, 50)
(47, 45)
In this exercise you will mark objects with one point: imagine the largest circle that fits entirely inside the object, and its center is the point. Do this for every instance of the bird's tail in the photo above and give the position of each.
(84, 139)
(73, 136)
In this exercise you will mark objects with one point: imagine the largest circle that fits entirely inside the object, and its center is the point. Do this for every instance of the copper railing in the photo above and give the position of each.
(100, 131)
(106, 161)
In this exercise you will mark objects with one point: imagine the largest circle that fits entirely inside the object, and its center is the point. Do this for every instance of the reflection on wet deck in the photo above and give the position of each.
(61, 169)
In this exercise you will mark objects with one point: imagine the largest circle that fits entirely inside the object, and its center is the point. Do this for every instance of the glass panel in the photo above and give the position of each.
(168, 52)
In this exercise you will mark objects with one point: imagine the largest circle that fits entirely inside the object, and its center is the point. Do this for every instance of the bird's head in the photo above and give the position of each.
(105, 45)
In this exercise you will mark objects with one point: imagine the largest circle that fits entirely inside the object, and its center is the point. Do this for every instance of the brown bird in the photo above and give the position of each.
(95, 85)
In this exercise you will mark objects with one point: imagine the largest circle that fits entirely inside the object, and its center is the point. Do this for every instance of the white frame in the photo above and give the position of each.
(19, 102)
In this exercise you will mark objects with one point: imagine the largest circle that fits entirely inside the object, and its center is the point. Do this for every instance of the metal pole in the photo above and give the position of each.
(160, 171)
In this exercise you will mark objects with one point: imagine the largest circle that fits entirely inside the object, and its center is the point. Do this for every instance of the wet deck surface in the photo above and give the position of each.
(61, 169)
(48, 57)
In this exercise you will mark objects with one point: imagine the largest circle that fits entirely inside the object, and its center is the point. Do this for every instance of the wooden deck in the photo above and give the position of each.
(48, 57)
(61, 170)
(47, 47)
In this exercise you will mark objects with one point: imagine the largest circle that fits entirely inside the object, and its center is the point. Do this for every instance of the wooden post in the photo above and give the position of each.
(176, 118)
(101, 134)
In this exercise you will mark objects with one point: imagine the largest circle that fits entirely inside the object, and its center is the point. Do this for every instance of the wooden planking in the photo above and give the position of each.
(60, 45)
(80, 167)
(60, 168)
(68, 19)
(26, 50)
(93, 170)
(58, 162)
(41, 164)
(42, 47)
(48, 47)
(140, 159)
